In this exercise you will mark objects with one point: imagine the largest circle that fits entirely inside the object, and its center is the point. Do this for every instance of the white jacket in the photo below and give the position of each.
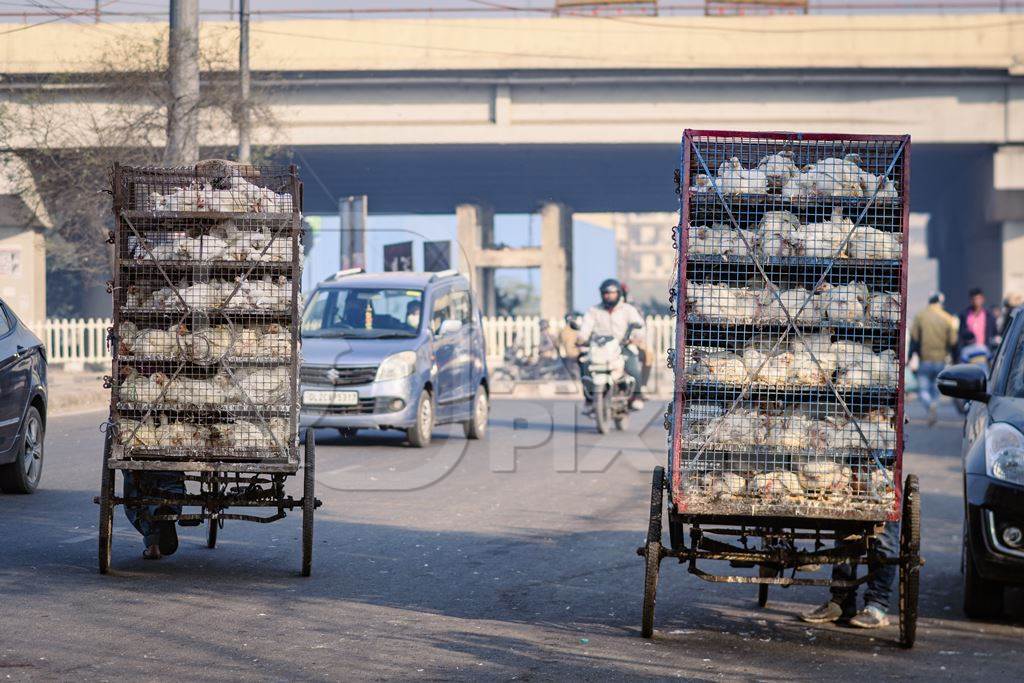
(599, 320)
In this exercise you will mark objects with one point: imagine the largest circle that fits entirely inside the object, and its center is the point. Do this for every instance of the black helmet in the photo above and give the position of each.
(611, 285)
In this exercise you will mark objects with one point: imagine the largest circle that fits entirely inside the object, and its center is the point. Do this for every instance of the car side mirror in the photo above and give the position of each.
(966, 380)
(449, 326)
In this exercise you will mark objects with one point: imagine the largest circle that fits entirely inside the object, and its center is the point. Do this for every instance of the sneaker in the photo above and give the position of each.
(933, 415)
(636, 404)
(827, 613)
(870, 617)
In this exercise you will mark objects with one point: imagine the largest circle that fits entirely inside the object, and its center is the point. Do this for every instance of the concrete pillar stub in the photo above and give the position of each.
(556, 262)
(474, 231)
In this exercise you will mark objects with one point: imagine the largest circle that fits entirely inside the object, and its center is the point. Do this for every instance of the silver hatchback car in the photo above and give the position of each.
(371, 358)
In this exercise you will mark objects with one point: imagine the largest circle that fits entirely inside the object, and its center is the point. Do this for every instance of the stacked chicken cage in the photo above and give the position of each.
(206, 306)
(791, 319)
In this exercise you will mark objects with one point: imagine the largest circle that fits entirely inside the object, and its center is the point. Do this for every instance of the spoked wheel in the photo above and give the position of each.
(106, 525)
(910, 560)
(762, 589)
(308, 504)
(652, 553)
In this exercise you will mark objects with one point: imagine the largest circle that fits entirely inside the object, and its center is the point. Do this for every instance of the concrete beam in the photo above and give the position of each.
(1013, 257)
(518, 257)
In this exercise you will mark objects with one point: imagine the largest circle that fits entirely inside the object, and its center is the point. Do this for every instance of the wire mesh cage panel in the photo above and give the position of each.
(206, 311)
(791, 323)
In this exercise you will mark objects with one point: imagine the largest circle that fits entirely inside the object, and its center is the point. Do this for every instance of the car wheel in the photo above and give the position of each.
(982, 599)
(420, 433)
(476, 426)
(23, 475)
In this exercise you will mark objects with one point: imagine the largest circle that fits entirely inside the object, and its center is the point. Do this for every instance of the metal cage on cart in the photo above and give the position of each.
(205, 342)
(786, 424)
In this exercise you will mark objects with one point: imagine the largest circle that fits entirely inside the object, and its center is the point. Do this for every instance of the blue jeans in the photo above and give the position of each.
(153, 484)
(927, 390)
(880, 586)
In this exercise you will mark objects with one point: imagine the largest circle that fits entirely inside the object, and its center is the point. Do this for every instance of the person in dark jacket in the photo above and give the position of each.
(979, 320)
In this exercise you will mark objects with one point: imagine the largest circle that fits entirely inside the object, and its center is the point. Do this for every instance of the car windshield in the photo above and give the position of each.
(363, 313)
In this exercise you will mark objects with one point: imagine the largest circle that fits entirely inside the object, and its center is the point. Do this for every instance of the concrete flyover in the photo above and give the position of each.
(511, 114)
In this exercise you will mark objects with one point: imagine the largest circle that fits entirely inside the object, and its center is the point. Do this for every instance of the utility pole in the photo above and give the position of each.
(243, 82)
(183, 61)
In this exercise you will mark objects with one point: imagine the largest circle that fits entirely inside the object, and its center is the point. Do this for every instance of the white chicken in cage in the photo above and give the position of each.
(181, 435)
(247, 343)
(778, 234)
(724, 367)
(885, 369)
(776, 485)
(156, 343)
(753, 359)
(825, 239)
(884, 306)
(210, 344)
(720, 302)
(734, 179)
(202, 295)
(843, 303)
(192, 197)
(741, 426)
(701, 183)
(137, 434)
(793, 431)
(163, 298)
(824, 476)
(267, 293)
(719, 240)
(810, 370)
(798, 302)
(776, 369)
(262, 387)
(275, 342)
(867, 242)
(778, 168)
(835, 177)
(127, 333)
(878, 186)
(724, 485)
(139, 388)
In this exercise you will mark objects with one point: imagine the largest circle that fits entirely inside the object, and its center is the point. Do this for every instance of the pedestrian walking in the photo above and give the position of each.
(978, 320)
(933, 334)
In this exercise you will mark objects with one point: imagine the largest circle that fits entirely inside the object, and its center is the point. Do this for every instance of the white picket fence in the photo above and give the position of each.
(502, 332)
(73, 342)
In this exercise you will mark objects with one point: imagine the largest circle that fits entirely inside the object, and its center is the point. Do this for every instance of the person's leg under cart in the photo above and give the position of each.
(879, 589)
(846, 598)
(150, 484)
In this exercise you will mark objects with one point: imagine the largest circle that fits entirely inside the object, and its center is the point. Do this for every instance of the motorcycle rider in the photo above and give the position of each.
(612, 317)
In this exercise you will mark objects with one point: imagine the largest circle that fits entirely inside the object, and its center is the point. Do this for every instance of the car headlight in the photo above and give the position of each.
(397, 366)
(1004, 453)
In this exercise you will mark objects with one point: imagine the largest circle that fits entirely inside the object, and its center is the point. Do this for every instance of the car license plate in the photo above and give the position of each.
(330, 398)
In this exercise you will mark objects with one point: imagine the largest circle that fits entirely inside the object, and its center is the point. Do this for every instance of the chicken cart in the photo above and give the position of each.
(786, 428)
(205, 347)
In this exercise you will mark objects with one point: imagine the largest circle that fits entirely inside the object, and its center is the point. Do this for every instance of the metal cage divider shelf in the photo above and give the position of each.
(786, 426)
(205, 346)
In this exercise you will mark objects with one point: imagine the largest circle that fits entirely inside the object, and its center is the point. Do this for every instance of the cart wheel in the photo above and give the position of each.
(762, 589)
(106, 524)
(657, 496)
(308, 504)
(212, 526)
(652, 564)
(652, 553)
(910, 560)
(602, 412)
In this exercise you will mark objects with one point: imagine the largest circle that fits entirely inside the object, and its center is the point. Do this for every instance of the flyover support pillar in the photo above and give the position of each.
(556, 260)
(474, 233)
(1007, 208)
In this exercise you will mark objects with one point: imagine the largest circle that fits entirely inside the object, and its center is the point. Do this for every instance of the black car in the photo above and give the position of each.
(22, 405)
(993, 469)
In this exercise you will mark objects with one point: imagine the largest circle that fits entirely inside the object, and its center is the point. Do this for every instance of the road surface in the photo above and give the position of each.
(511, 559)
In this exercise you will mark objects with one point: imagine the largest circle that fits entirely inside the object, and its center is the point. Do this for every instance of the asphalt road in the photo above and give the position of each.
(510, 559)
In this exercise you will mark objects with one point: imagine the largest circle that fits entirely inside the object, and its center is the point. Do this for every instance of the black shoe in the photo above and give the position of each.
(168, 532)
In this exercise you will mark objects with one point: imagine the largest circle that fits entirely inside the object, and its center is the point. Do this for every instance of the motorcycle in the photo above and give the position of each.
(607, 384)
